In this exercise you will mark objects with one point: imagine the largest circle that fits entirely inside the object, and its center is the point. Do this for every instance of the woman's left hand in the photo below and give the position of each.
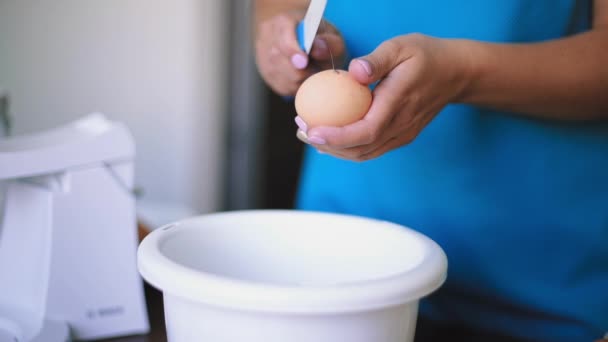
(418, 76)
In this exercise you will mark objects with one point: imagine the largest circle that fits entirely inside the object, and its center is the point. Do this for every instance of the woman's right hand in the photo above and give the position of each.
(280, 60)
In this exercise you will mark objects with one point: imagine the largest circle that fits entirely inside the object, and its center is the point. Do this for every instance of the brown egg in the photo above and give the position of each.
(332, 98)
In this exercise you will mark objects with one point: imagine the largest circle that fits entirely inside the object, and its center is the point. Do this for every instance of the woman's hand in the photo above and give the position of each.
(280, 60)
(418, 75)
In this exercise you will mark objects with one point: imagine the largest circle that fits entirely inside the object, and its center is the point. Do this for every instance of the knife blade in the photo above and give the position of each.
(308, 27)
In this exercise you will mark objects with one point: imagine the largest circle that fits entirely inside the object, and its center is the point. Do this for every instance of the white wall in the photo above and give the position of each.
(157, 65)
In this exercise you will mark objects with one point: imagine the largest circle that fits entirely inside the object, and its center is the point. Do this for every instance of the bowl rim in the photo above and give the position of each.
(178, 280)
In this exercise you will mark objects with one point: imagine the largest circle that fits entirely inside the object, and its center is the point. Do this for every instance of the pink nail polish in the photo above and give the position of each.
(299, 61)
(366, 66)
(301, 124)
(316, 140)
(302, 136)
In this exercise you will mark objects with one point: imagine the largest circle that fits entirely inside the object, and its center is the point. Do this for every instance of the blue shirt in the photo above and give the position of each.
(519, 205)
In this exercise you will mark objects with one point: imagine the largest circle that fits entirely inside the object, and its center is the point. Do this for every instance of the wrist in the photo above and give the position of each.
(466, 59)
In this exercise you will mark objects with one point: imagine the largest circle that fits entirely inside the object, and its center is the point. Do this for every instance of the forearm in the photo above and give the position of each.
(565, 79)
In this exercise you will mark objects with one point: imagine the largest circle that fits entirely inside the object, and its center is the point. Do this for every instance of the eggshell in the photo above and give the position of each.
(332, 98)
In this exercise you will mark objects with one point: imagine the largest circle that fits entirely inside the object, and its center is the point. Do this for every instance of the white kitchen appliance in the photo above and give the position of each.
(68, 235)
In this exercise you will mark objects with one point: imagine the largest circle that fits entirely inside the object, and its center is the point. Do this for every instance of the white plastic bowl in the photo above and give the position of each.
(281, 275)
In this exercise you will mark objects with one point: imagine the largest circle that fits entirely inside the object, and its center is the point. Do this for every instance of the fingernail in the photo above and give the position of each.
(365, 65)
(320, 44)
(299, 61)
(316, 140)
(302, 136)
(301, 124)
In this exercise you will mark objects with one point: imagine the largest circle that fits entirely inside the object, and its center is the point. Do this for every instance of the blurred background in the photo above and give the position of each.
(181, 74)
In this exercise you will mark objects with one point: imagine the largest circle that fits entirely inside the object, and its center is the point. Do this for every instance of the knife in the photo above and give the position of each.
(308, 27)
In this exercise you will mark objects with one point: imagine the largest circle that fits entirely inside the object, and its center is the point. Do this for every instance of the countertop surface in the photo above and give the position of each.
(157, 333)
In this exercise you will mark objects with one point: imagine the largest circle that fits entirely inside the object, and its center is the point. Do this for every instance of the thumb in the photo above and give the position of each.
(375, 66)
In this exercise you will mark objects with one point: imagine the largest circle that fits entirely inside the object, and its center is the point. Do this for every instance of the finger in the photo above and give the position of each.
(356, 153)
(282, 65)
(396, 140)
(283, 88)
(327, 27)
(285, 80)
(284, 75)
(375, 66)
(360, 151)
(302, 136)
(299, 61)
(326, 46)
(332, 152)
(360, 133)
(292, 75)
(301, 124)
(390, 145)
(285, 31)
(320, 49)
(287, 42)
